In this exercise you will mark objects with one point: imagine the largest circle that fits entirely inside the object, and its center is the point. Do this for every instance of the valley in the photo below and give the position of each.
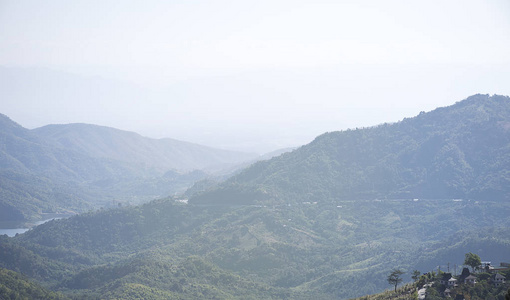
(327, 220)
(79, 167)
(255, 150)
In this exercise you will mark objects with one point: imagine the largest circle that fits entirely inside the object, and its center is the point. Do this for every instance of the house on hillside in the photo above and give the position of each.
(498, 279)
(447, 293)
(452, 282)
(502, 267)
(471, 279)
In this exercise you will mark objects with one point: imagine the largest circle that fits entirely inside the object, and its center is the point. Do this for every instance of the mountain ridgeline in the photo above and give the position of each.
(160, 155)
(79, 166)
(461, 151)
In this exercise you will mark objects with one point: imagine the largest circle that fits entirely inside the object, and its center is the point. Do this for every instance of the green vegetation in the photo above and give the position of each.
(407, 292)
(456, 152)
(267, 252)
(14, 286)
(25, 197)
(439, 285)
(416, 275)
(472, 260)
(484, 286)
(329, 220)
(77, 167)
(159, 155)
(395, 278)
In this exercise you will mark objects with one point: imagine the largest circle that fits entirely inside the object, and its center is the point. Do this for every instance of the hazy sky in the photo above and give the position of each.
(249, 75)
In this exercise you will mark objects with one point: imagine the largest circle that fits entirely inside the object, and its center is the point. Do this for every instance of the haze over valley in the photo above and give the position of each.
(251, 77)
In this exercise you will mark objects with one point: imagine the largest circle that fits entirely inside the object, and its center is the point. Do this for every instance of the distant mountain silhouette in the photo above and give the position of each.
(129, 147)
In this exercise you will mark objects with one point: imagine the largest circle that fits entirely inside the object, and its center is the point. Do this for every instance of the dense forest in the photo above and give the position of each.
(461, 151)
(329, 220)
(249, 251)
(14, 286)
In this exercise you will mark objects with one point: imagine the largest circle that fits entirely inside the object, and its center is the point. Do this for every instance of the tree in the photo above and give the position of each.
(416, 275)
(395, 277)
(472, 260)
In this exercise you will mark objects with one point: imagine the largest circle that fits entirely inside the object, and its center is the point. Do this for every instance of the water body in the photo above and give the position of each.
(13, 231)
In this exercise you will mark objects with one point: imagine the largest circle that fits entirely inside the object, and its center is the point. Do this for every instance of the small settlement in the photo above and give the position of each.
(496, 278)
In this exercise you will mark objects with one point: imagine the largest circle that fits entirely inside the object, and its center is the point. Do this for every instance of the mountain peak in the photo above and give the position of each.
(8, 125)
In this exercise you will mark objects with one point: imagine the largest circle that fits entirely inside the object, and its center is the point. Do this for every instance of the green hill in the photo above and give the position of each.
(78, 166)
(301, 250)
(25, 196)
(15, 286)
(25, 152)
(160, 155)
(461, 151)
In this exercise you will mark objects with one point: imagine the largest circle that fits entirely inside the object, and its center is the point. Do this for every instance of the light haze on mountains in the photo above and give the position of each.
(246, 75)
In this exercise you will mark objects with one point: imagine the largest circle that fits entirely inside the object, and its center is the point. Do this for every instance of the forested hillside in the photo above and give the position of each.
(14, 286)
(461, 151)
(25, 196)
(281, 252)
(77, 167)
(159, 155)
(301, 225)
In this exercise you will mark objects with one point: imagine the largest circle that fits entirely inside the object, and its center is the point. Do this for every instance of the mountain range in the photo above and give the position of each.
(328, 220)
(160, 155)
(78, 166)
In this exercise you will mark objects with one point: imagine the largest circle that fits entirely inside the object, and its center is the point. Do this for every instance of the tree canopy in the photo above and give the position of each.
(395, 277)
(472, 260)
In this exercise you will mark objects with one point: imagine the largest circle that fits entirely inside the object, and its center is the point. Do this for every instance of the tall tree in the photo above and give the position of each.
(472, 260)
(416, 275)
(395, 277)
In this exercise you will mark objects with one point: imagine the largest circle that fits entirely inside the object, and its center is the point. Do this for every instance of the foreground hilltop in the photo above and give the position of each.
(460, 151)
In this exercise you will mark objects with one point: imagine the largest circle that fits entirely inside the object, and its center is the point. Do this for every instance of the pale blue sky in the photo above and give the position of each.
(249, 75)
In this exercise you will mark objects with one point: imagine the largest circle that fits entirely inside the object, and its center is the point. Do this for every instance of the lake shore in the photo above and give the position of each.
(11, 228)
